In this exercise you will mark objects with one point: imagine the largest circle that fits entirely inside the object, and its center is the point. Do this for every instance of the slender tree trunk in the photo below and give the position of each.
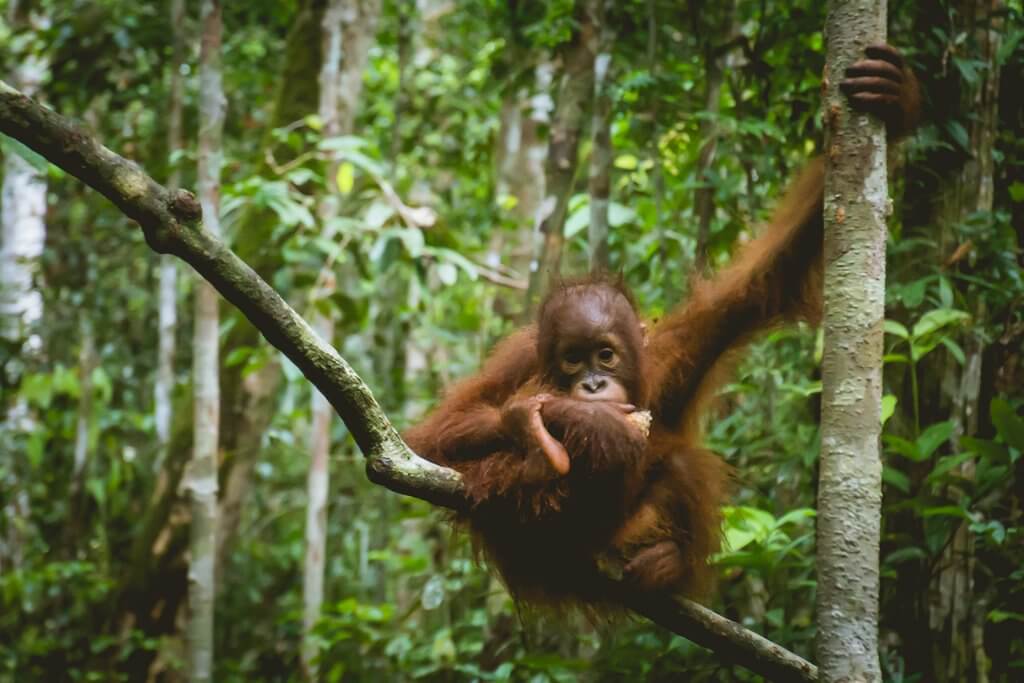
(154, 584)
(704, 195)
(22, 235)
(203, 470)
(574, 95)
(317, 482)
(520, 158)
(666, 254)
(168, 305)
(317, 485)
(601, 152)
(850, 487)
(86, 363)
(23, 200)
(956, 614)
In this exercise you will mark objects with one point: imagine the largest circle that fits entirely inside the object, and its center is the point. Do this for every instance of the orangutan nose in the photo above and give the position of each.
(594, 385)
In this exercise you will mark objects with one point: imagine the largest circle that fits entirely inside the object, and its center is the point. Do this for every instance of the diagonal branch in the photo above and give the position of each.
(171, 222)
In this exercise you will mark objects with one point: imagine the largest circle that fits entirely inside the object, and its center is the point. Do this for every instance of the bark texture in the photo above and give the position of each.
(850, 487)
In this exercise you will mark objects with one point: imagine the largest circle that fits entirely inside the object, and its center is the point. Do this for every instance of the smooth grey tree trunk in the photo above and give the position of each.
(317, 481)
(22, 235)
(167, 302)
(202, 479)
(850, 491)
(83, 423)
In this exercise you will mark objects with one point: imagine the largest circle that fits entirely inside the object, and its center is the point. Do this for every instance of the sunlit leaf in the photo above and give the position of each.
(447, 274)
(893, 327)
(345, 178)
(888, 407)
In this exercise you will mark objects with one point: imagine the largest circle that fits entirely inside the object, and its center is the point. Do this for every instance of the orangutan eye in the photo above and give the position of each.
(572, 362)
(607, 357)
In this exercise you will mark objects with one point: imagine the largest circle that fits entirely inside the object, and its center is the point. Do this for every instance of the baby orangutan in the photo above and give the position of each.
(578, 440)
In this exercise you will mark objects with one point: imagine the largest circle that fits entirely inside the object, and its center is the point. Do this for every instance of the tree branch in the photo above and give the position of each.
(727, 639)
(171, 222)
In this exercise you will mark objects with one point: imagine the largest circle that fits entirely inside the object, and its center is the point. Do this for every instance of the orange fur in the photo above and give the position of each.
(653, 504)
(656, 503)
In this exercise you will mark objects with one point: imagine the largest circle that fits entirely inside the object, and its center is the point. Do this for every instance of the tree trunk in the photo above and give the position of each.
(601, 151)
(955, 614)
(850, 493)
(574, 94)
(704, 195)
(168, 305)
(317, 483)
(203, 469)
(83, 425)
(520, 156)
(154, 583)
(22, 235)
(23, 201)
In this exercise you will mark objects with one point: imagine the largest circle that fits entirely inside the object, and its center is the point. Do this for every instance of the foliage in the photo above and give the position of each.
(428, 225)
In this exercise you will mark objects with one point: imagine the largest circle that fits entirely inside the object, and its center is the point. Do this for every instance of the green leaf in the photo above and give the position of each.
(626, 162)
(959, 134)
(578, 221)
(1017, 191)
(901, 446)
(905, 554)
(913, 293)
(893, 327)
(954, 350)
(1009, 425)
(314, 121)
(447, 274)
(98, 491)
(620, 214)
(896, 479)
(798, 515)
(945, 292)
(946, 464)
(936, 319)
(933, 437)
(10, 145)
(345, 178)
(946, 511)
(988, 450)
(238, 356)
(997, 615)
(888, 407)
